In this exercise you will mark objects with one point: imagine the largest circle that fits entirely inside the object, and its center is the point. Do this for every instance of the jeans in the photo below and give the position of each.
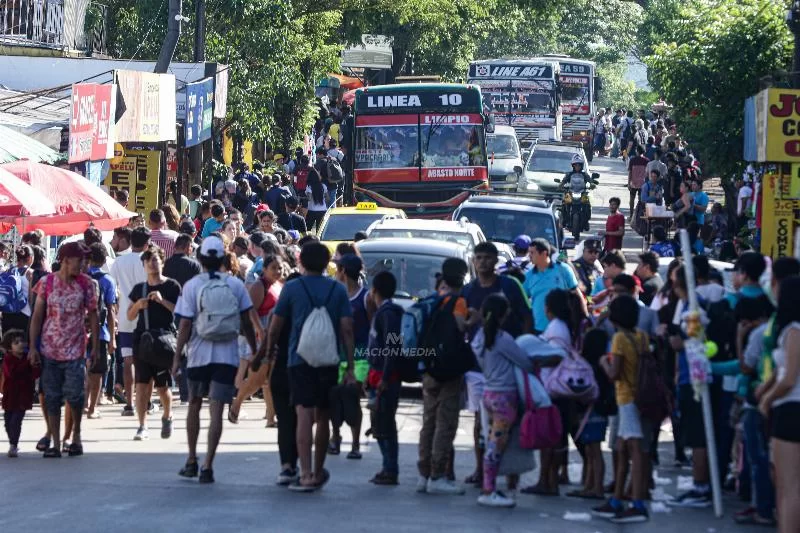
(441, 406)
(384, 426)
(333, 193)
(758, 454)
(13, 422)
(723, 432)
(63, 381)
(287, 417)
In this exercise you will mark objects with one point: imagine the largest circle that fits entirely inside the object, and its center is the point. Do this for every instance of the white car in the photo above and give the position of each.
(461, 232)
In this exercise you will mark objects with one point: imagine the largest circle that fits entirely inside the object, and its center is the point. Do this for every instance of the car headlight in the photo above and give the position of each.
(583, 134)
(512, 178)
(532, 186)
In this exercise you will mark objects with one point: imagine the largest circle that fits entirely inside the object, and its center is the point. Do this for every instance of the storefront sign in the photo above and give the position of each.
(778, 125)
(199, 107)
(149, 114)
(777, 216)
(91, 126)
(138, 173)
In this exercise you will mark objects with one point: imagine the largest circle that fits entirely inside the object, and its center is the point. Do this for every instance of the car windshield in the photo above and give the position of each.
(502, 225)
(415, 273)
(343, 227)
(502, 146)
(448, 236)
(550, 161)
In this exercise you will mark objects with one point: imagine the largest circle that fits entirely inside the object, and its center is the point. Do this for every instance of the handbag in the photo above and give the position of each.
(155, 347)
(540, 427)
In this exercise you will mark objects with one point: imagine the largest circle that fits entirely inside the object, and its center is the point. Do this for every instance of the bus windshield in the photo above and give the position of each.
(452, 146)
(575, 95)
(387, 146)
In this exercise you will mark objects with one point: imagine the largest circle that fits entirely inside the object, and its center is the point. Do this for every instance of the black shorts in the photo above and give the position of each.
(783, 422)
(692, 428)
(311, 387)
(100, 365)
(144, 372)
(214, 381)
(302, 199)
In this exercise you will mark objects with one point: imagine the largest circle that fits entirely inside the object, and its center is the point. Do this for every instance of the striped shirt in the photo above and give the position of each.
(164, 239)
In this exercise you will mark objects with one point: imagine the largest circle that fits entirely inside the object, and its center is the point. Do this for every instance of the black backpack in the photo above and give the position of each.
(451, 355)
(651, 395)
(102, 309)
(335, 172)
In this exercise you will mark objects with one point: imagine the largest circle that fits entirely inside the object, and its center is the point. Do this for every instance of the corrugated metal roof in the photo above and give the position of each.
(15, 146)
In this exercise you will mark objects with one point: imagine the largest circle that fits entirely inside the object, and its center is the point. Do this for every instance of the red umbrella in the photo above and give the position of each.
(79, 203)
(18, 199)
(349, 97)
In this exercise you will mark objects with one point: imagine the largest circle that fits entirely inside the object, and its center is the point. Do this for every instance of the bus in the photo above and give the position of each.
(522, 93)
(420, 147)
(579, 87)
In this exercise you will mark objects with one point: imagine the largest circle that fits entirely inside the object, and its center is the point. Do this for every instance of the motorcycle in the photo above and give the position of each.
(576, 209)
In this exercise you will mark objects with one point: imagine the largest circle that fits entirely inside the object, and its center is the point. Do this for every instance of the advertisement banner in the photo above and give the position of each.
(138, 173)
(149, 113)
(199, 108)
(778, 125)
(91, 126)
(777, 217)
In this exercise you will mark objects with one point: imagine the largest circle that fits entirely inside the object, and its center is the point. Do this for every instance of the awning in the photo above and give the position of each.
(347, 82)
(15, 146)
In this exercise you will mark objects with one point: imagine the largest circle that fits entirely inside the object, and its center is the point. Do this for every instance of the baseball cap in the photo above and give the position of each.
(73, 249)
(294, 234)
(351, 263)
(277, 157)
(212, 246)
(592, 244)
(188, 227)
(522, 242)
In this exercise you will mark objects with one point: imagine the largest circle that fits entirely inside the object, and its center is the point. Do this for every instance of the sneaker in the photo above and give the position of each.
(141, 434)
(13, 451)
(127, 411)
(422, 484)
(206, 475)
(443, 486)
(152, 408)
(631, 515)
(189, 469)
(496, 499)
(166, 428)
(605, 511)
(694, 499)
(287, 477)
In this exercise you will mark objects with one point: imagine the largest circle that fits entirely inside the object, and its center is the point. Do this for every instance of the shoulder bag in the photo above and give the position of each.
(155, 346)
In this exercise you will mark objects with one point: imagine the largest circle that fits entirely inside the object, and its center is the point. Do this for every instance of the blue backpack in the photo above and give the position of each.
(413, 326)
(12, 298)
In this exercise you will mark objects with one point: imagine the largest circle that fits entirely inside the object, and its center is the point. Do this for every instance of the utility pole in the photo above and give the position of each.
(174, 19)
(197, 152)
(793, 21)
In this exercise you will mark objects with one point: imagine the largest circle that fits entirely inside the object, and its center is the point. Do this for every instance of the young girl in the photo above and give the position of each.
(498, 356)
(18, 380)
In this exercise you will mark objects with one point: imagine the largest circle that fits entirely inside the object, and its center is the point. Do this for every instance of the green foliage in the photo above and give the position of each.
(711, 64)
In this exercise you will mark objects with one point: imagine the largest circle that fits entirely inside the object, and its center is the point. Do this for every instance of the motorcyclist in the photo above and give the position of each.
(577, 181)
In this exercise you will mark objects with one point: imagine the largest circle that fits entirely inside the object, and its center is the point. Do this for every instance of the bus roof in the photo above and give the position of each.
(401, 87)
(516, 61)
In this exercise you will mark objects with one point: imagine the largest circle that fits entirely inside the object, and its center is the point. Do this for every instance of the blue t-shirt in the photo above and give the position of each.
(539, 284)
(509, 286)
(294, 304)
(108, 288)
(211, 225)
(701, 199)
(358, 306)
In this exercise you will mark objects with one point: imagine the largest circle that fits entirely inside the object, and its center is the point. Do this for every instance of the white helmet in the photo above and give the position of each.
(577, 159)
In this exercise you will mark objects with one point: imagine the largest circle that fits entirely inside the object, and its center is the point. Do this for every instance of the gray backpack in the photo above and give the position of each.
(218, 318)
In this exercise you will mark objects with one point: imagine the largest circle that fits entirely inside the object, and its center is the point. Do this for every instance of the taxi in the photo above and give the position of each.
(342, 223)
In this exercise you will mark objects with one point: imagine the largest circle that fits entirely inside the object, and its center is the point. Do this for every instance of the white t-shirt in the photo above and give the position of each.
(711, 292)
(312, 205)
(745, 199)
(203, 352)
(556, 333)
(127, 271)
(779, 354)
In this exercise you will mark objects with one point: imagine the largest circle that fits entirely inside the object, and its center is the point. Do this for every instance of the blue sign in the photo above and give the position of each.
(199, 111)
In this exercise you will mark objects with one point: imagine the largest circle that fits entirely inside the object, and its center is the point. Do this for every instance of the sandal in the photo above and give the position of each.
(298, 486)
(539, 491)
(326, 476)
(334, 446)
(51, 453)
(354, 454)
(64, 447)
(75, 449)
(43, 444)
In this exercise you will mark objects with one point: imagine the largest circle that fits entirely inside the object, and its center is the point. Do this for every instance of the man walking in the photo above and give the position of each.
(159, 234)
(107, 316)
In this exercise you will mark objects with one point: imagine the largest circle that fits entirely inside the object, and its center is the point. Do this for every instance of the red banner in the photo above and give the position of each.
(91, 124)
(454, 174)
(429, 174)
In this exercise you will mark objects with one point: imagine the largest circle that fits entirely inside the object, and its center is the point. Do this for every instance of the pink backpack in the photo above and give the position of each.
(540, 427)
(573, 379)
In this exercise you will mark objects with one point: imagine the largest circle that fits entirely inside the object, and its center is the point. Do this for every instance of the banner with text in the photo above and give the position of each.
(779, 212)
(138, 173)
(199, 109)
(149, 107)
(91, 126)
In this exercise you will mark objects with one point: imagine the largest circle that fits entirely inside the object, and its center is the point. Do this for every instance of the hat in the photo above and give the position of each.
(592, 244)
(294, 234)
(188, 227)
(73, 249)
(262, 207)
(351, 263)
(522, 242)
(277, 156)
(212, 246)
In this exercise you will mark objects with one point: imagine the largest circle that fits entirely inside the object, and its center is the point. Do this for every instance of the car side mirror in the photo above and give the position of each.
(568, 243)
(489, 124)
(556, 180)
(518, 169)
(525, 154)
(595, 176)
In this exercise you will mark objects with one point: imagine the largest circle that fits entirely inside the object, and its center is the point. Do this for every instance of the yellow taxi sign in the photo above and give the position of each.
(366, 206)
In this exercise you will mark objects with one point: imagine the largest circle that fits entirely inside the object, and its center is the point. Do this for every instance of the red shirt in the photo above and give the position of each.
(18, 380)
(614, 223)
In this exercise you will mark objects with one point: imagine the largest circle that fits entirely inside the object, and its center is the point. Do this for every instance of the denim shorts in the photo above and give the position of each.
(630, 423)
(63, 381)
(214, 381)
(594, 430)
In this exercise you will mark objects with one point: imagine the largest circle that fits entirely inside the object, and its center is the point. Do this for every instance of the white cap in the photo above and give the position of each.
(212, 246)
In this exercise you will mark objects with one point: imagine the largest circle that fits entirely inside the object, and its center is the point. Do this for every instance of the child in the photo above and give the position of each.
(622, 366)
(18, 380)
(498, 356)
(383, 381)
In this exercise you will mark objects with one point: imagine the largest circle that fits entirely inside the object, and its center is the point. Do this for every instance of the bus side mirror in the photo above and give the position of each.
(489, 124)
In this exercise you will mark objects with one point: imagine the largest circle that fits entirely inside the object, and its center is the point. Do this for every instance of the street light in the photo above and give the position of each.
(793, 21)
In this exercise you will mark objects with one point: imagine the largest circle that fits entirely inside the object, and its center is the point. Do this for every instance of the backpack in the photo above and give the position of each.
(218, 318)
(12, 297)
(413, 325)
(317, 344)
(652, 396)
(450, 354)
(102, 309)
(515, 270)
(573, 379)
(407, 364)
(301, 179)
(641, 138)
(335, 172)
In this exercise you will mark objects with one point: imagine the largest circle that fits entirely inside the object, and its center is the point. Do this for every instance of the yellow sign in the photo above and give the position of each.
(227, 150)
(793, 183)
(367, 206)
(777, 218)
(138, 173)
(778, 125)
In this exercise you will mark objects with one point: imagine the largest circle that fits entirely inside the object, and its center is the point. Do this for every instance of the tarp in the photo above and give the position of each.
(347, 82)
(15, 146)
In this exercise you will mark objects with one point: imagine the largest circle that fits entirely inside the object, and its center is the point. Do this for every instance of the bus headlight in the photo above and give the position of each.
(532, 186)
